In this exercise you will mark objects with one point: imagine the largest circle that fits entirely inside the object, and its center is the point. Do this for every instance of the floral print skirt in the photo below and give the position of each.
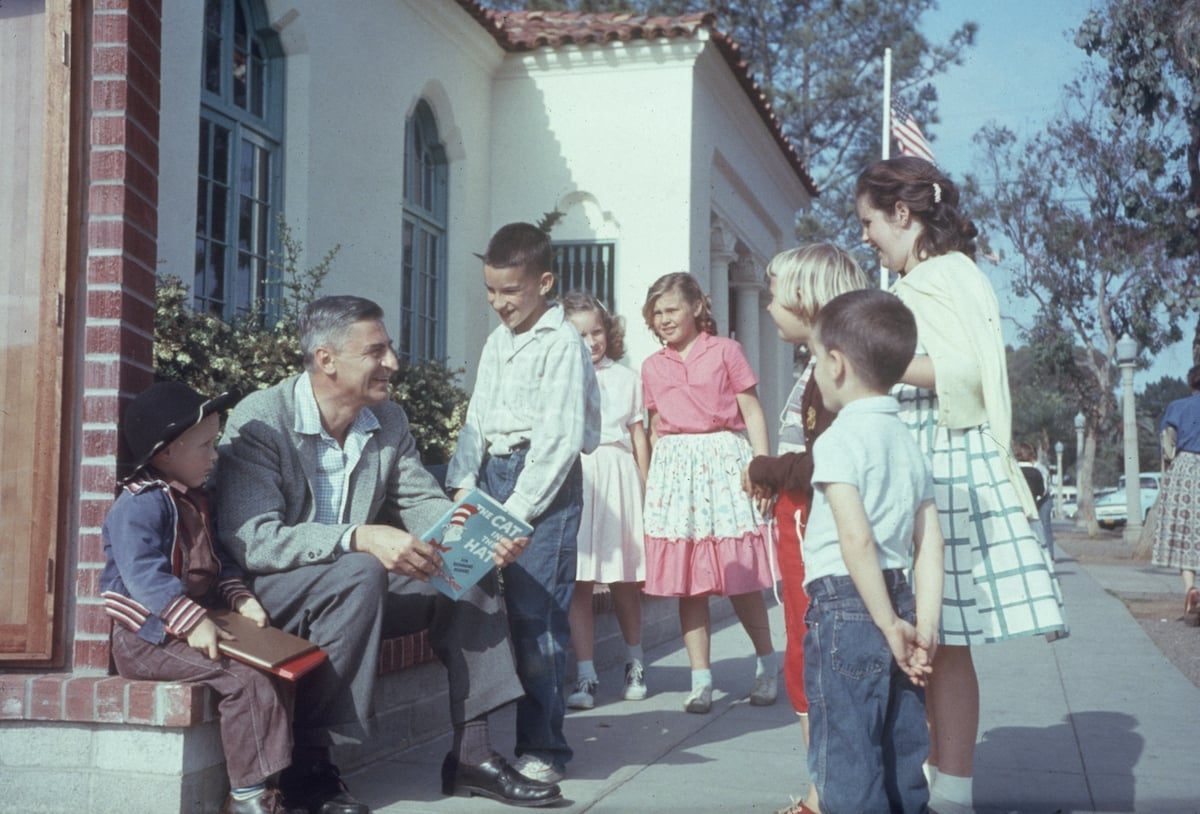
(1177, 535)
(703, 534)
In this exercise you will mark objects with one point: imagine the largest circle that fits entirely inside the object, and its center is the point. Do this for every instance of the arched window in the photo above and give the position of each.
(241, 134)
(423, 272)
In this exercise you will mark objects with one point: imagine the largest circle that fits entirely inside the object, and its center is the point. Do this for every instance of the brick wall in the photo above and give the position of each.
(124, 62)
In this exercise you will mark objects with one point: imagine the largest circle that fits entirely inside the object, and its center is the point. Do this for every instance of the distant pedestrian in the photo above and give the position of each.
(1177, 535)
(800, 281)
(612, 550)
(954, 397)
(704, 536)
(1037, 478)
(872, 636)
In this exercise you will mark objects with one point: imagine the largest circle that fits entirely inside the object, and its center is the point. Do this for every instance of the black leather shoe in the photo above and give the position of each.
(497, 780)
(318, 790)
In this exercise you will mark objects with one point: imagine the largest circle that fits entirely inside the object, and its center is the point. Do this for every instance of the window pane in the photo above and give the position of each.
(246, 170)
(262, 190)
(245, 279)
(260, 239)
(258, 78)
(215, 283)
(213, 31)
(245, 234)
(220, 159)
(202, 208)
(240, 56)
(219, 201)
(198, 276)
(205, 168)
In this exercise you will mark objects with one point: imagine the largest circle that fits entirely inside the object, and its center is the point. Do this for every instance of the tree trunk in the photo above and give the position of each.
(1086, 498)
(1145, 543)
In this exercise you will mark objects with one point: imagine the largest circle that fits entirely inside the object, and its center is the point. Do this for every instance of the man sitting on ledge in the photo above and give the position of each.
(321, 492)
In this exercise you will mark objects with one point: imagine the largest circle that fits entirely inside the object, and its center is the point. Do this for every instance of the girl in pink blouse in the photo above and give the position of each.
(704, 536)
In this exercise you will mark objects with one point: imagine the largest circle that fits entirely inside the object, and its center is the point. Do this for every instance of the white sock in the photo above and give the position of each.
(635, 653)
(247, 792)
(585, 669)
(701, 678)
(931, 773)
(953, 789)
(767, 665)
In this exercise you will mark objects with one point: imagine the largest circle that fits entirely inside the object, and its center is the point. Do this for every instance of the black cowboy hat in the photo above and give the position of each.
(162, 413)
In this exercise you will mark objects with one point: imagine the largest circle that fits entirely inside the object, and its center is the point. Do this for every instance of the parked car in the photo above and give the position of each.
(1111, 509)
(1070, 503)
(1070, 508)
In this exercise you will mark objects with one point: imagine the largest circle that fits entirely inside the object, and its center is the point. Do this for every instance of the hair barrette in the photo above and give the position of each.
(937, 192)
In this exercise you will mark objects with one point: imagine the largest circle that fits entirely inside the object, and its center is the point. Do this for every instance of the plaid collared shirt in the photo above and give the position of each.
(537, 387)
(334, 461)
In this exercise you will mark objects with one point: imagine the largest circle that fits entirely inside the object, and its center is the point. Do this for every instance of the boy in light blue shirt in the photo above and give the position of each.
(873, 519)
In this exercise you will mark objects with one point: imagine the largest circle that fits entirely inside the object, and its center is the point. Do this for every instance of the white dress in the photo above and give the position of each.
(611, 547)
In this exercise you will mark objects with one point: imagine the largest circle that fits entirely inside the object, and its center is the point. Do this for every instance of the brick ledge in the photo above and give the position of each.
(72, 697)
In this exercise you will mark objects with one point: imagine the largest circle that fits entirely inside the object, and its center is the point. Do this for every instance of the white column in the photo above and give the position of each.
(746, 316)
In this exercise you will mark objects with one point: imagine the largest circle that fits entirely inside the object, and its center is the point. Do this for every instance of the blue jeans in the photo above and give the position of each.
(537, 592)
(866, 718)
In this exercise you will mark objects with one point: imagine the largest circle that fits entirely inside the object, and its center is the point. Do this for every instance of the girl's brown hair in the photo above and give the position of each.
(930, 196)
(577, 302)
(686, 285)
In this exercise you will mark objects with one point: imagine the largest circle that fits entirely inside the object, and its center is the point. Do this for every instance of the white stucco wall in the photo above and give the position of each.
(611, 124)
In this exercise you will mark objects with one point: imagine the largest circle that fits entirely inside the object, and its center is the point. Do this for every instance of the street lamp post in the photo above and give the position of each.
(1127, 350)
(1079, 420)
(1078, 444)
(1058, 476)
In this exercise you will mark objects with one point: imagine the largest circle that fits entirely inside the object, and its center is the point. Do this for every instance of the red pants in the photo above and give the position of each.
(791, 510)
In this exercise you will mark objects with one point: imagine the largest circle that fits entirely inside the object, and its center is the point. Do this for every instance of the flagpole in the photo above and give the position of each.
(887, 131)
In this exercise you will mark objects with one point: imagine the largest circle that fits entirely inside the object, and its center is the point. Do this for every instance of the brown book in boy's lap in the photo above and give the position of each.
(267, 648)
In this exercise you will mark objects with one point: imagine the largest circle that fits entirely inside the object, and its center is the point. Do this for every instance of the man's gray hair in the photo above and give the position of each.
(325, 322)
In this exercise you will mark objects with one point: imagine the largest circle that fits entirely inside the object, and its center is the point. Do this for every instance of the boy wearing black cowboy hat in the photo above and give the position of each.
(163, 567)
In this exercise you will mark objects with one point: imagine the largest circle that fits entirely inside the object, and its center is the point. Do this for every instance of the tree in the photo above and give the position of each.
(820, 63)
(1071, 202)
(1043, 412)
(1153, 52)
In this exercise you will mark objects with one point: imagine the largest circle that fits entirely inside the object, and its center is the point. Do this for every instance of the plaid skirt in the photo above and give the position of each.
(703, 534)
(1000, 583)
(1177, 536)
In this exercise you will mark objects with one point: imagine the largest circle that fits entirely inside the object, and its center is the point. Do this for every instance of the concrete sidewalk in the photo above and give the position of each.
(1098, 722)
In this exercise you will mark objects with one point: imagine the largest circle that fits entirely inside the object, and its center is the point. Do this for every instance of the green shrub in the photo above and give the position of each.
(213, 356)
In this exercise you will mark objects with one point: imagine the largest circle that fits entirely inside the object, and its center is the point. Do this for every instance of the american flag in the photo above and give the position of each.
(909, 136)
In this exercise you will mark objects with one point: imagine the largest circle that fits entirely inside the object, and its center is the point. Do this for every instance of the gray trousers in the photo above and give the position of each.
(348, 605)
(255, 731)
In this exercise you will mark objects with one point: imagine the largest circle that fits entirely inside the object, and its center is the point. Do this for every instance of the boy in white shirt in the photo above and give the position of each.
(873, 519)
(535, 408)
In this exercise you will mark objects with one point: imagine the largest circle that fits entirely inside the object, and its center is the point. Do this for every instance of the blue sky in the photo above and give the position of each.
(1023, 56)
